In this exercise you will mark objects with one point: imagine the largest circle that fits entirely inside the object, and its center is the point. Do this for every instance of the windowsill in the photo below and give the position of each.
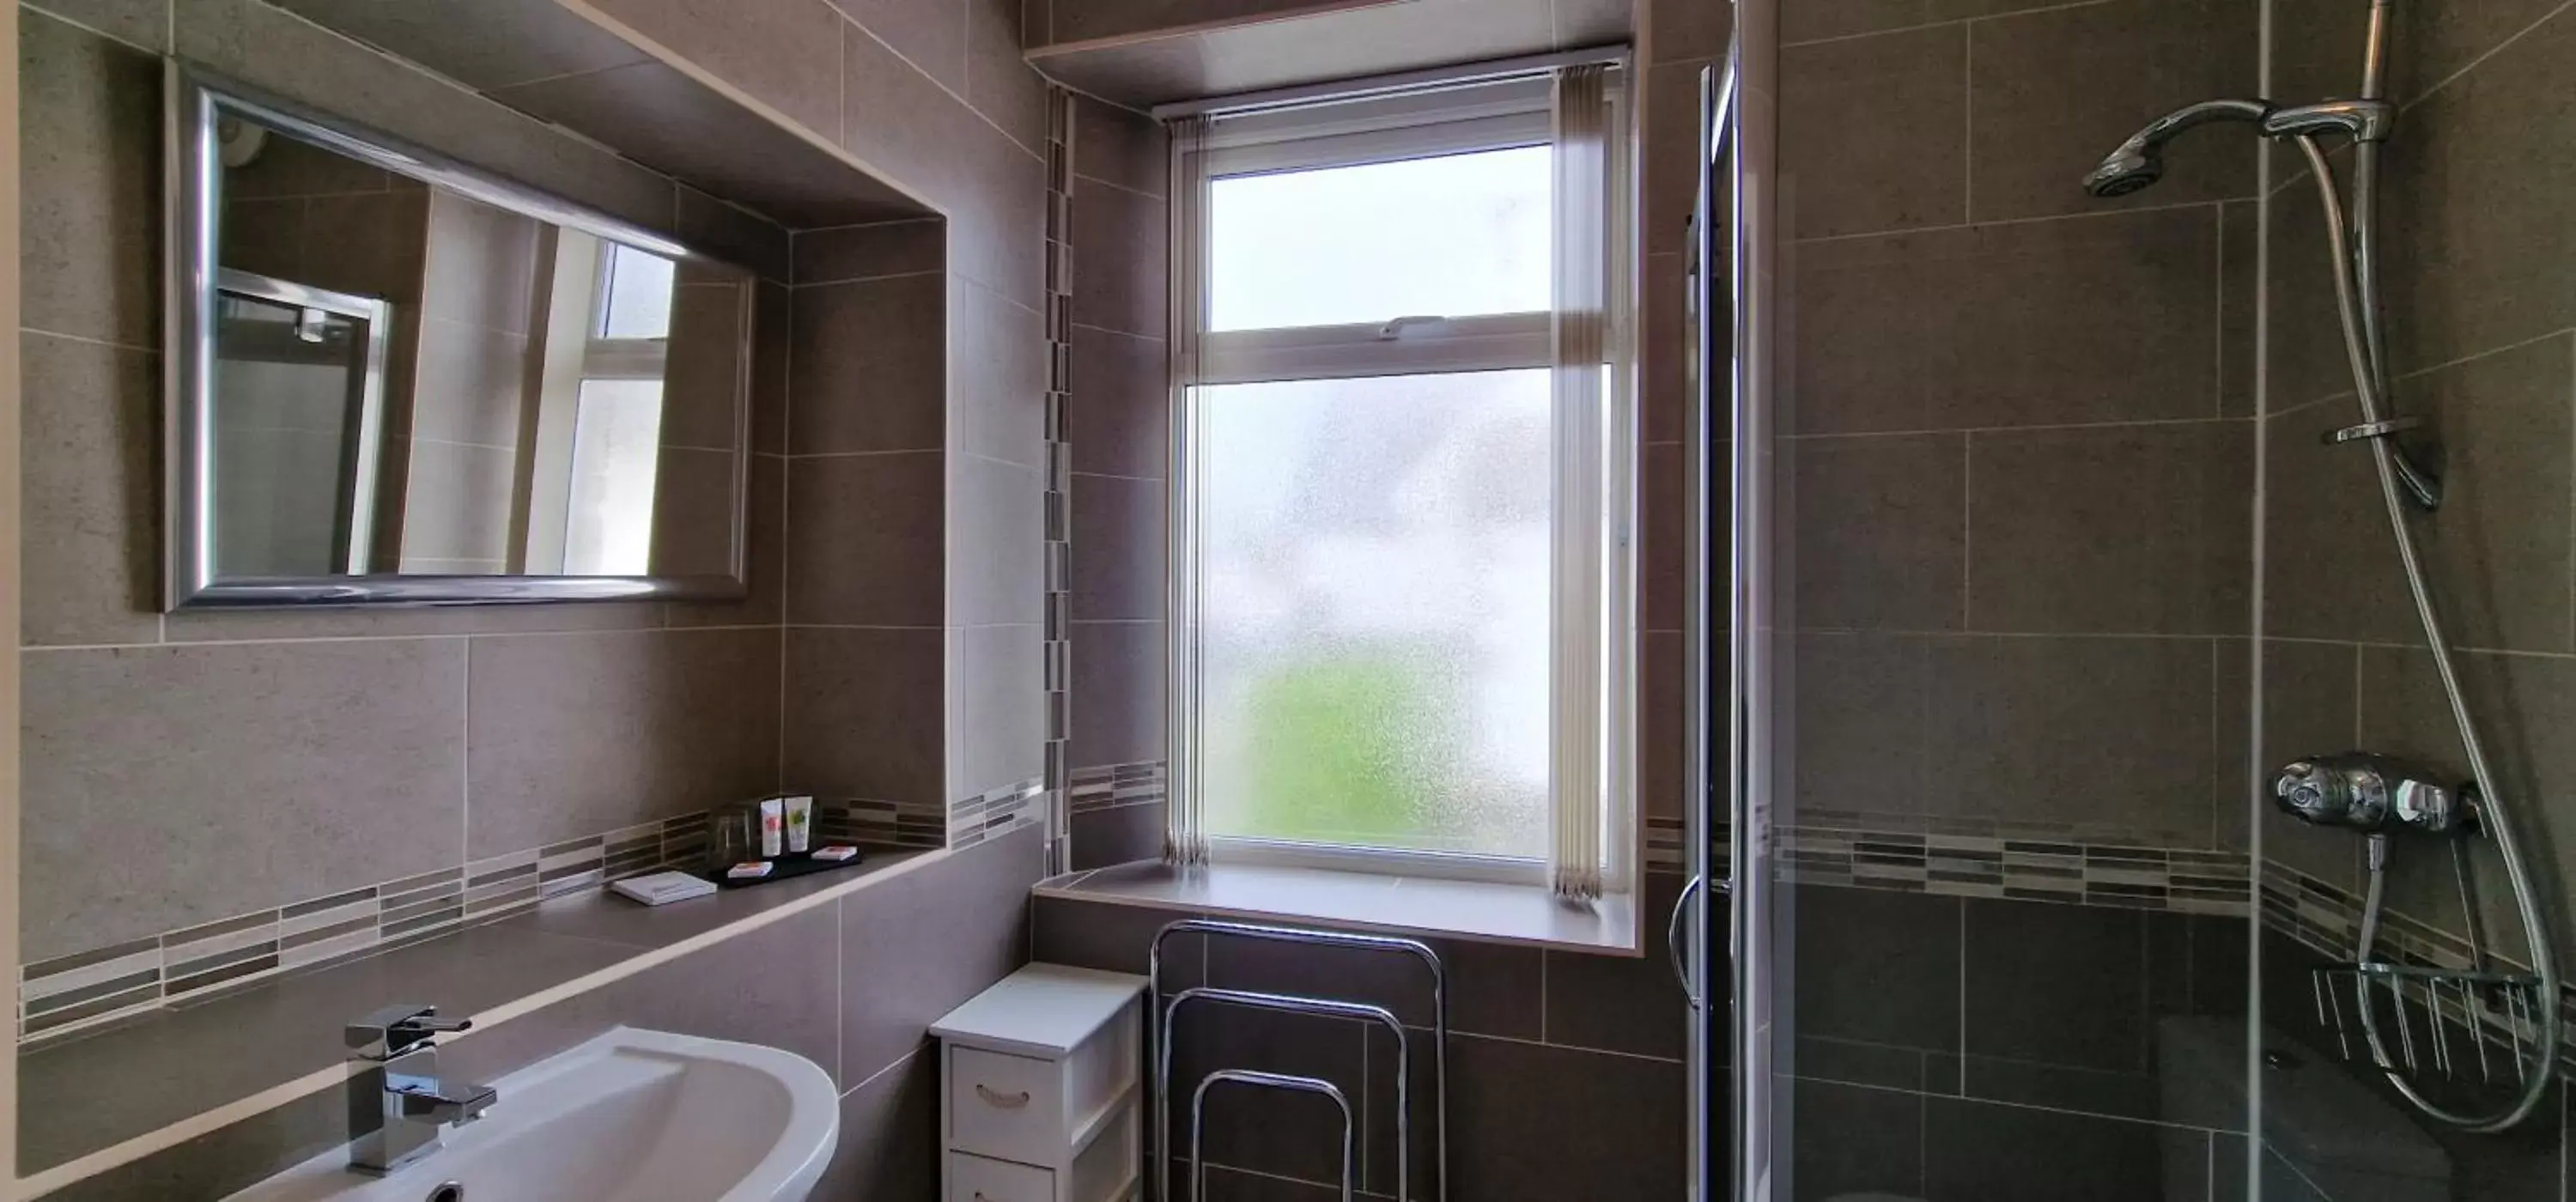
(1396, 905)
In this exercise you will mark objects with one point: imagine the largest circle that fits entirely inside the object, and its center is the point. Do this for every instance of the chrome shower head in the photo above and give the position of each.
(2124, 172)
(2140, 161)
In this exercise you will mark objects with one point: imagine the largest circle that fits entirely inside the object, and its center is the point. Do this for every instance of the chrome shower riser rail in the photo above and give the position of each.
(1160, 1050)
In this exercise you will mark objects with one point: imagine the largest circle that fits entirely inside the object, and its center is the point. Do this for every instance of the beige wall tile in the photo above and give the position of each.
(1663, 521)
(575, 734)
(864, 367)
(90, 559)
(482, 264)
(457, 505)
(89, 208)
(861, 719)
(781, 53)
(241, 776)
(1671, 170)
(1002, 735)
(929, 34)
(469, 388)
(998, 376)
(482, 44)
(914, 948)
(999, 83)
(864, 539)
(996, 565)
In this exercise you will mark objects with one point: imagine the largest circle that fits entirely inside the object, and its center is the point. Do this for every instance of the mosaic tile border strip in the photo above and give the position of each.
(1109, 786)
(997, 813)
(1960, 865)
(67, 994)
(1058, 635)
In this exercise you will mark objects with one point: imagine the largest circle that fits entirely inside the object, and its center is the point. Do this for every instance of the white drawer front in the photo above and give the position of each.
(1006, 1106)
(975, 1179)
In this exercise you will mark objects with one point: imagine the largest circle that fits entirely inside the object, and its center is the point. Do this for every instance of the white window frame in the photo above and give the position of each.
(1598, 528)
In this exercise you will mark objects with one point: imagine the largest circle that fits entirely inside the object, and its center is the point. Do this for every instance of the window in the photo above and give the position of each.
(1400, 536)
(599, 421)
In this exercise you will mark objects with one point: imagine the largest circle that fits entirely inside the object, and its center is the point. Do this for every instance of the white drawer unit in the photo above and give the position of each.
(1041, 1089)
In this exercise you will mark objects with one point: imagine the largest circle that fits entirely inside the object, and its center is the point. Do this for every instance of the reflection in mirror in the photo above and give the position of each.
(413, 382)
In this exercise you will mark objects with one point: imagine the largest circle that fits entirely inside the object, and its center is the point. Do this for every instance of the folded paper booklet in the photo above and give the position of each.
(655, 888)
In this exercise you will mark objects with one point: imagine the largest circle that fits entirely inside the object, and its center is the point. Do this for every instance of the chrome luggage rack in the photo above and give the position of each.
(1158, 1027)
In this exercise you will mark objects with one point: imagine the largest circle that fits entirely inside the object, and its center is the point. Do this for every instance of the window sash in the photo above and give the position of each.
(1595, 527)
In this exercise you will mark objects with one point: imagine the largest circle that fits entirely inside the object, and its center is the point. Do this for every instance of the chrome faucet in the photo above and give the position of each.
(398, 1105)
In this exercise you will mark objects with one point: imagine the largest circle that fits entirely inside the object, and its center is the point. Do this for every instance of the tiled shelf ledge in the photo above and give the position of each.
(1471, 910)
(93, 1103)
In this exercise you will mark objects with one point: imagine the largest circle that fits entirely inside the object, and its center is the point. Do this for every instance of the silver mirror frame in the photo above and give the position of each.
(194, 99)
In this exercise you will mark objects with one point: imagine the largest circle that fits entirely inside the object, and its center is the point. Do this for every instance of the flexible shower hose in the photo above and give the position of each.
(2368, 366)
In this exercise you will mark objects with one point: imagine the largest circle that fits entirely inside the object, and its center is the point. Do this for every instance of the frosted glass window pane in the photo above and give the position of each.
(638, 304)
(616, 456)
(1375, 611)
(1452, 236)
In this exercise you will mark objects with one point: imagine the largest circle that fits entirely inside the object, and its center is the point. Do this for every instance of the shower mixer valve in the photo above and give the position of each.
(2371, 793)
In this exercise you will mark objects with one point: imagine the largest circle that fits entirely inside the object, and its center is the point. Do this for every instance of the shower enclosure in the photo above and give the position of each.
(2140, 628)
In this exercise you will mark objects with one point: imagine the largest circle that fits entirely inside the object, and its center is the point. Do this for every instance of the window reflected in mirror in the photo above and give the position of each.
(412, 377)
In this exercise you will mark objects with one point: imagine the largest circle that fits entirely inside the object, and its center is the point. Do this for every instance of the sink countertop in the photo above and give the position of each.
(97, 1090)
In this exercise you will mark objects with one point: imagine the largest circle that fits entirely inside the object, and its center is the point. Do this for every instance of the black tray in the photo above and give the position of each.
(790, 866)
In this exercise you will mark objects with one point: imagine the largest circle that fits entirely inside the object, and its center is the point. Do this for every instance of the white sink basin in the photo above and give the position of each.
(632, 1116)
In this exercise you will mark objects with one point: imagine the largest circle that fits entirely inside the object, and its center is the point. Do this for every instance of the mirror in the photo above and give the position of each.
(403, 380)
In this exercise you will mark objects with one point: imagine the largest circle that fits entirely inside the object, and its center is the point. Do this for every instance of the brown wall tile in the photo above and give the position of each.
(1671, 170)
(581, 733)
(1862, 718)
(1881, 525)
(999, 83)
(859, 717)
(2479, 252)
(889, 1134)
(1873, 133)
(997, 571)
(914, 948)
(1118, 278)
(865, 367)
(1118, 548)
(2102, 731)
(1118, 146)
(1118, 415)
(857, 252)
(2032, 323)
(1117, 697)
(232, 778)
(2051, 92)
(864, 540)
(2060, 540)
(1117, 835)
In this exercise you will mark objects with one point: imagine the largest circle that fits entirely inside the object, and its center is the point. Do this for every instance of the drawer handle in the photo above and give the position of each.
(1007, 1101)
